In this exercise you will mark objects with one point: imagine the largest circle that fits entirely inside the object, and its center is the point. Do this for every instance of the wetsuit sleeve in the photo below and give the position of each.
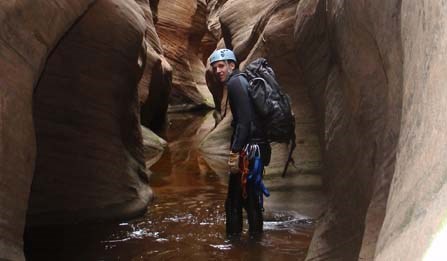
(240, 107)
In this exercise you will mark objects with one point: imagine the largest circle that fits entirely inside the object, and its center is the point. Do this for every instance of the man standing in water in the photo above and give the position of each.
(247, 130)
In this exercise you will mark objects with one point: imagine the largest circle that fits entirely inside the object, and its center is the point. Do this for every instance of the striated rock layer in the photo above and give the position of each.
(23, 57)
(155, 84)
(361, 66)
(90, 160)
(350, 54)
(364, 77)
(344, 83)
(365, 63)
(181, 27)
(85, 103)
(415, 217)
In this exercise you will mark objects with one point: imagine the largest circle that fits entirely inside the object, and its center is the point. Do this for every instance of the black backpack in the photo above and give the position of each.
(271, 104)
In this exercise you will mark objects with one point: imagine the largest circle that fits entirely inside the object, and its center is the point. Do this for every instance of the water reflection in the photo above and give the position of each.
(184, 222)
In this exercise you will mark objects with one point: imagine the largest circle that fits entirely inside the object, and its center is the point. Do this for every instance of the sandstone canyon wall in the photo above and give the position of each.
(414, 224)
(72, 82)
(23, 57)
(87, 98)
(350, 53)
(365, 77)
(181, 27)
(371, 70)
(156, 81)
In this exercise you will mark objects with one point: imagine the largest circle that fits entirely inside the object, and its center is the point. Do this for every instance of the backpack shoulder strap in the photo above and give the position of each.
(259, 79)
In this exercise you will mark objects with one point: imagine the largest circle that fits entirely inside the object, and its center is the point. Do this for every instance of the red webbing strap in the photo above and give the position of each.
(243, 166)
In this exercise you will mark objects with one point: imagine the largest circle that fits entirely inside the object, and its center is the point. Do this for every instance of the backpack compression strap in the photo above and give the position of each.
(289, 158)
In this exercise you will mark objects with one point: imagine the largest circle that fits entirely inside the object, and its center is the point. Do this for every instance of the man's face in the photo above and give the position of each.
(221, 69)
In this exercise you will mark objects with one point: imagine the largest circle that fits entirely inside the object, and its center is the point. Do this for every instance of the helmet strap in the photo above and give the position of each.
(229, 70)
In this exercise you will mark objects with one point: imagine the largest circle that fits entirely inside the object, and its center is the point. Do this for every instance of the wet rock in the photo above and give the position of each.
(196, 129)
(154, 146)
(215, 146)
(181, 27)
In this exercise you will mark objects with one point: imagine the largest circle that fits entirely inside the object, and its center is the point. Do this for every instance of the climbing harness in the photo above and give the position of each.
(252, 153)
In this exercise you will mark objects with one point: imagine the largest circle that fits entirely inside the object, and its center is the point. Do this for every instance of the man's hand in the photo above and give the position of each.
(233, 162)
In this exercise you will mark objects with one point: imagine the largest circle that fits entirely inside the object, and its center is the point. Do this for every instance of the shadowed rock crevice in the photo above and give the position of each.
(154, 8)
(90, 160)
(156, 82)
(153, 110)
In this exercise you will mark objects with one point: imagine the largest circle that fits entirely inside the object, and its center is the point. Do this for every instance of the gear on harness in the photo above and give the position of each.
(243, 166)
(252, 153)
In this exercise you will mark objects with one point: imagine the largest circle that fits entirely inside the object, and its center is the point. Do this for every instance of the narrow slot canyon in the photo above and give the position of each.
(115, 133)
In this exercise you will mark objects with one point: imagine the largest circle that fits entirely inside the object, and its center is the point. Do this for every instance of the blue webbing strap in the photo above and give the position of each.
(255, 176)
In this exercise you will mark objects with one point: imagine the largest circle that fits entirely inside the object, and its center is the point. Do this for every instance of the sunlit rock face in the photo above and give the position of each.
(263, 29)
(181, 27)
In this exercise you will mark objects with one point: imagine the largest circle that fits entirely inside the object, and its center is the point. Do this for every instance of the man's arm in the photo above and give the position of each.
(238, 94)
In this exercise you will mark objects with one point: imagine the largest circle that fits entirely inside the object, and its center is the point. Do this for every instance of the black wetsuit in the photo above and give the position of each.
(247, 129)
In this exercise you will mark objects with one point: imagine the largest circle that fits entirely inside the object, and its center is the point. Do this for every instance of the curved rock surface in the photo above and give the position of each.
(153, 146)
(415, 217)
(23, 57)
(181, 27)
(89, 162)
(350, 55)
(361, 64)
(155, 84)
(364, 78)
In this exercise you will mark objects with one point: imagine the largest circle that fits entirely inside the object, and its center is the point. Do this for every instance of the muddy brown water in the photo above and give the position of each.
(185, 221)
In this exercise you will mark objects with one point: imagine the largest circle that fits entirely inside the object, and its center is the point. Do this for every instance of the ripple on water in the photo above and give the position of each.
(222, 247)
(186, 221)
